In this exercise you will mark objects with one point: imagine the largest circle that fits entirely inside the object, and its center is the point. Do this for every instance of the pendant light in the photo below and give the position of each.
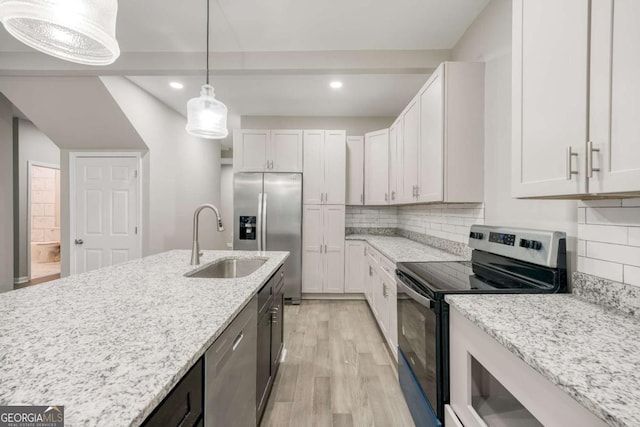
(206, 116)
(81, 31)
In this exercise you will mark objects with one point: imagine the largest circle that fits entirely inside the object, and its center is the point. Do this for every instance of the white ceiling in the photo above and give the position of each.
(369, 95)
(287, 52)
(288, 25)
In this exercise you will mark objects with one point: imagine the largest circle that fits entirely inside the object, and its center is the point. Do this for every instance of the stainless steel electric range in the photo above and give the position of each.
(504, 260)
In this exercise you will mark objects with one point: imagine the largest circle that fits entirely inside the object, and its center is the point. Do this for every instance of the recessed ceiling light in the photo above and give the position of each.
(176, 85)
(335, 85)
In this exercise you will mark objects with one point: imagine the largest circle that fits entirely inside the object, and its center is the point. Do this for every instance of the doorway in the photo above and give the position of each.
(44, 222)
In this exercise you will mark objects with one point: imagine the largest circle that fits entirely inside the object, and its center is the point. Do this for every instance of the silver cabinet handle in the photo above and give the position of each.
(320, 248)
(79, 242)
(386, 197)
(384, 290)
(570, 155)
(590, 151)
(417, 191)
(237, 341)
(326, 197)
(370, 271)
(393, 195)
(325, 249)
(321, 198)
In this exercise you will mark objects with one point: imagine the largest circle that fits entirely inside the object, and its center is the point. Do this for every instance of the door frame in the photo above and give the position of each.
(30, 165)
(73, 158)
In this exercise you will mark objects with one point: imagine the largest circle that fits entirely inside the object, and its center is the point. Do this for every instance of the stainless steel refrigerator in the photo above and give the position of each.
(268, 217)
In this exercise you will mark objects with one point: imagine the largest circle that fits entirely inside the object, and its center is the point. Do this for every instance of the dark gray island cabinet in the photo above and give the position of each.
(231, 383)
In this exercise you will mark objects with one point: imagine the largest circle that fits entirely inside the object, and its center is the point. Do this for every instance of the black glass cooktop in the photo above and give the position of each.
(491, 276)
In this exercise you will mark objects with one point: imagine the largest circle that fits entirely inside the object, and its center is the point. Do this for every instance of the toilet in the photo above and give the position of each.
(48, 251)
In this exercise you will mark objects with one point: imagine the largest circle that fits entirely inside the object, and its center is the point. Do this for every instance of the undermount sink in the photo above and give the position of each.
(228, 268)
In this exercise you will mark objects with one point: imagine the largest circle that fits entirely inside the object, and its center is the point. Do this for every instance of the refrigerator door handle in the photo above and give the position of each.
(264, 222)
(259, 222)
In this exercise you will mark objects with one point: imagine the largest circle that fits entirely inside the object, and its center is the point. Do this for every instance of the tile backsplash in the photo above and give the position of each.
(609, 239)
(445, 221)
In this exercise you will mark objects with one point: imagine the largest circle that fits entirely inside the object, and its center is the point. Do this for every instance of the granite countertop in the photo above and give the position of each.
(589, 351)
(399, 249)
(110, 344)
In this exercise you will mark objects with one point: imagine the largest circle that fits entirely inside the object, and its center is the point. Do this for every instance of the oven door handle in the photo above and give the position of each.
(425, 301)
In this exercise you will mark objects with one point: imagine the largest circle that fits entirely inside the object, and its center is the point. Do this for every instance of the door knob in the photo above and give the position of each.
(79, 241)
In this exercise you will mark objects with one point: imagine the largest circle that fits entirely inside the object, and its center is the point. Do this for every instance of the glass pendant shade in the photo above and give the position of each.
(206, 116)
(81, 31)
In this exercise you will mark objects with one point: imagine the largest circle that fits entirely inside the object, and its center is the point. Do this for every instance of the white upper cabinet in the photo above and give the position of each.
(451, 148)
(376, 168)
(285, 151)
(325, 158)
(409, 152)
(267, 150)
(355, 170)
(614, 127)
(575, 91)
(395, 166)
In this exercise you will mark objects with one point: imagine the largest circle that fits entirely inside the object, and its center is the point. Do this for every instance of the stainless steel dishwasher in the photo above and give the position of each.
(230, 373)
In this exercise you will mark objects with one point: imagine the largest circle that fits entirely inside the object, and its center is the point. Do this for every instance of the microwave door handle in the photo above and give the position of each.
(427, 302)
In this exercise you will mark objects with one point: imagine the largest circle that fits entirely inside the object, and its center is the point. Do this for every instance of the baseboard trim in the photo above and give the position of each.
(337, 297)
(20, 280)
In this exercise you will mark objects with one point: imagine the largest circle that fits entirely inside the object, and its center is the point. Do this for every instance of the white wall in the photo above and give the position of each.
(33, 146)
(489, 40)
(6, 196)
(355, 126)
(182, 171)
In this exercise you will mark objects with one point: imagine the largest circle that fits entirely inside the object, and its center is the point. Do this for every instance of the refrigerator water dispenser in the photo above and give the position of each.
(247, 228)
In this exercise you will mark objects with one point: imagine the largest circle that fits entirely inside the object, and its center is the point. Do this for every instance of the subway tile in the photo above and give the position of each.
(600, 203)
(582, 215)
(632, 275)
(631, 202)
(605, 269)
(634, 236)
(617, 216)
(603, 233)
(582, 248)
(628, 255)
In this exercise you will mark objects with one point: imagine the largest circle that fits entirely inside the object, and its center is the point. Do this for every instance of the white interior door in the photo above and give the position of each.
(105, 212)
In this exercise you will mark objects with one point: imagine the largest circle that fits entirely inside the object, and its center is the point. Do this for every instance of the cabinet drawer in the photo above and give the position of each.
(388, 268)
(183, 406)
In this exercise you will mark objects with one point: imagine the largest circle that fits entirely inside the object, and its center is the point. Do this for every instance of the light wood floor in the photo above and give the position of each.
(337, 371)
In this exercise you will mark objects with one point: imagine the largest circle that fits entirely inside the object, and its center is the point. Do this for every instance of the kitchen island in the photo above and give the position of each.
(110, 344)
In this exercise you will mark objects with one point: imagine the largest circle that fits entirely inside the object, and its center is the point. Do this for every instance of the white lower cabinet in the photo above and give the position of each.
(380, 292)
(354, 266)
(323, 249)
(491, 386)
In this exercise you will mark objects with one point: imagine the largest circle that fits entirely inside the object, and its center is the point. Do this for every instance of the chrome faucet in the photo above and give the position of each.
(195, 250)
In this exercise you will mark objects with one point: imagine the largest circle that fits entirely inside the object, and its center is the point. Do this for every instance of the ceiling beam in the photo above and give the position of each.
(232, 63)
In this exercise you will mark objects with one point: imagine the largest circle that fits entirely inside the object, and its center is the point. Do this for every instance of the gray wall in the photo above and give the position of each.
(33, 146)
(488, 39)
(6, 196)
(180, 172)
(355, 126)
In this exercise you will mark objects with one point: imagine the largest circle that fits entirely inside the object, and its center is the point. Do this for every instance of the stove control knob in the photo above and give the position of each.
(475, 235)
(531, 244)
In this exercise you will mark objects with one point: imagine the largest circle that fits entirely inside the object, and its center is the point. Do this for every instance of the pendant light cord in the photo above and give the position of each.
(208, 5)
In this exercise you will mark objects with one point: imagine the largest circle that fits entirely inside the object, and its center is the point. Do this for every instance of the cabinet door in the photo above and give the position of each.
(355, 170)
(410, 141)
(380, 301)
(313, 181)
(250, 150)
(615, 90)
(354, 267)
(376, 168)
(394, 163)
(312, 256)
(334, 218)
(431, 187)
(374, 284)
(550, 72)
(285, 151)
(335, 167)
